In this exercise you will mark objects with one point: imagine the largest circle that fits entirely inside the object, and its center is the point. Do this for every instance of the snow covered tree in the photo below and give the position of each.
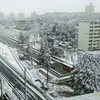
(27, 26)
(27, 39)
(58, 51)
(29, 52)
(45, 56)
(54, 28)
(44, 51)
(50, 41)
(21, 38)
(87, 75)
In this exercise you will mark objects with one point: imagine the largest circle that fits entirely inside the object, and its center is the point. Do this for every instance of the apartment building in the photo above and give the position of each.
(89, 35)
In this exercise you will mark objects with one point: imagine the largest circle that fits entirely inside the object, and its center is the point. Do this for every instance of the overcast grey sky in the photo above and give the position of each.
(42, 6)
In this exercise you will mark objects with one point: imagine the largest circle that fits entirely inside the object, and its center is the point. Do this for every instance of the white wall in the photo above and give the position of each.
(83, 36)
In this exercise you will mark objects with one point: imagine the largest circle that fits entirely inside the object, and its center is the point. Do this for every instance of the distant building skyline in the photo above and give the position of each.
(1, 14)
(90, 9)
(43, 6)
(21, 16)
(33, 13)
(12, 15)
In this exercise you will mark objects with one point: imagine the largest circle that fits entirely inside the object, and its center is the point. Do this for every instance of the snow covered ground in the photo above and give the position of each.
(33, 73)
(17, 66)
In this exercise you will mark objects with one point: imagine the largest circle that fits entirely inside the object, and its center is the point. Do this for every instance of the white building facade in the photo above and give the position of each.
(89, 35)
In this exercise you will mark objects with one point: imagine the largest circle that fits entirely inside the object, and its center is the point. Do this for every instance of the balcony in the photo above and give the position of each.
(89, 46)
(96, 36)
(90, 39)
(96, 39)
(97, 29)
(95, 42)
(96, 24)
(95, 46)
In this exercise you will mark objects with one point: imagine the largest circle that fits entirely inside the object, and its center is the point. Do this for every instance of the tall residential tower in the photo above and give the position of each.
(89, 9)
(89, 35)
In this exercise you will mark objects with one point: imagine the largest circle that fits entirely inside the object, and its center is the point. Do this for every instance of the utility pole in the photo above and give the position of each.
(2, 48)
(25, 83)
(52, 79)
(1, 89)
(47, 74)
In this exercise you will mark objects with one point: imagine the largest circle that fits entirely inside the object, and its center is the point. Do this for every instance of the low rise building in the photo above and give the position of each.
(22, 23)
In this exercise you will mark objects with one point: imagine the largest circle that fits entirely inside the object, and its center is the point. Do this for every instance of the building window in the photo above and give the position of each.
(95, 40)
(91, 23)
(96, 23)
(98, 30)
(99, 34)
(95, 33)
(90, 37)
(91, 30)
(97, 26)
(90, 44)
(94, 43)
(91, 26)
(90, 40)
(90, 33)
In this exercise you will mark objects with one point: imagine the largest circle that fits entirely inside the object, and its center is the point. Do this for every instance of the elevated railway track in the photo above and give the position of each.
(16, 44)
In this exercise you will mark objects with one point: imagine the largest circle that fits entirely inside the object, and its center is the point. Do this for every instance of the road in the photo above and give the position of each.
(17, 83)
